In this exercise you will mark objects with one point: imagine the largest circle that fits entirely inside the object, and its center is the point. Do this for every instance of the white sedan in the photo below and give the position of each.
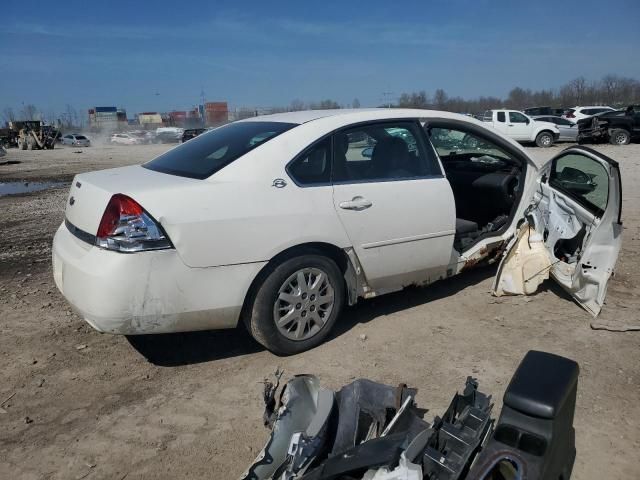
(125, 139)
(76, 139)
(280, 221)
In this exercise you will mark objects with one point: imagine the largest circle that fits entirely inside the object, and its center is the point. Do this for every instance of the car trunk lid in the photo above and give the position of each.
(90, 193)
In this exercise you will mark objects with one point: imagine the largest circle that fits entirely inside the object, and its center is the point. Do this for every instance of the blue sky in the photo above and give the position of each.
(259, 53)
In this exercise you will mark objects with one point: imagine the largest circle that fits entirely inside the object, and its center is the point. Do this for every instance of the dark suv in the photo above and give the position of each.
(618, 127)
(192, 133)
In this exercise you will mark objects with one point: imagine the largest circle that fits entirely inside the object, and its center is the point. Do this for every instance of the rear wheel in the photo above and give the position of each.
(619, 137)
(544, 139)
(297, 304)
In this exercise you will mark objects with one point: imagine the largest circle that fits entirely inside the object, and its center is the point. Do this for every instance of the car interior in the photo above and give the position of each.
(485, 181)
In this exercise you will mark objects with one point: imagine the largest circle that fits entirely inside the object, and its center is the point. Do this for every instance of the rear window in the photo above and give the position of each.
(208, 153)
(80, 137)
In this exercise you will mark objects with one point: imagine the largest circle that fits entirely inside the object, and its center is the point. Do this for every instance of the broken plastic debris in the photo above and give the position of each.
(372, 431)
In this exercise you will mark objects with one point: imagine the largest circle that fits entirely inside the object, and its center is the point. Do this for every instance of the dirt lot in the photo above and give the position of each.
(85, 405)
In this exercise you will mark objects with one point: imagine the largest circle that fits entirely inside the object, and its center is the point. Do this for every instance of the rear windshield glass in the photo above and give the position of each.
(204, 155)
(81, 137)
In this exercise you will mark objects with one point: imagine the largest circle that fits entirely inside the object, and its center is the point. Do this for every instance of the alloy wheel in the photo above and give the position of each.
(304, 303)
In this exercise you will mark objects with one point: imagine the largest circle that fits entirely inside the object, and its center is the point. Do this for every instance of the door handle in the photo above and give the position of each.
(510, 125)
(356, 203)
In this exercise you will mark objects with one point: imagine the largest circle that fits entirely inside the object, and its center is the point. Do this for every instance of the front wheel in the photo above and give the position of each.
(619, 137)
(297, 304)
(544, 140)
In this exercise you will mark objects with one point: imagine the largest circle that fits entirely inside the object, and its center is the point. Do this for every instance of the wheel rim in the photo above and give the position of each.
(621, 138)
(304, 303)
(545, 140)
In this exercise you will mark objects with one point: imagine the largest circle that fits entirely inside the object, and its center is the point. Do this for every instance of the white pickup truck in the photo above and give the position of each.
(522, 128)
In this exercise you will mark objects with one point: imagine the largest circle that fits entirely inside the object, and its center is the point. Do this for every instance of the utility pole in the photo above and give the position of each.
(387, 97)
(204, 111)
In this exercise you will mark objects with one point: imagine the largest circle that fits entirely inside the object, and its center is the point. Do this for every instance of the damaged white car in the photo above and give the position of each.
(279, 221)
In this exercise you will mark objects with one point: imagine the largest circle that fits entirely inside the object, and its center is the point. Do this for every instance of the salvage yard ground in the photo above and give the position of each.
(78, 404)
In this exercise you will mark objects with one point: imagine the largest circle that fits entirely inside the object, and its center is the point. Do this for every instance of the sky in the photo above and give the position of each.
(161, 55)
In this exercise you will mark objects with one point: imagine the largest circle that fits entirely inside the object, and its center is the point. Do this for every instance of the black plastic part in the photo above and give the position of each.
(458, 435)
(535, 429)
(377, 452)
(361, 404)
(542, 384)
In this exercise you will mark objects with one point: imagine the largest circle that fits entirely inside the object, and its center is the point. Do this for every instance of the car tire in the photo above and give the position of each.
(544, 140)
(619, 136)
(310, 319)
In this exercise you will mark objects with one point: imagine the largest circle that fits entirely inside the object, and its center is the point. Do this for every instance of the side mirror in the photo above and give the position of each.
(527, 121)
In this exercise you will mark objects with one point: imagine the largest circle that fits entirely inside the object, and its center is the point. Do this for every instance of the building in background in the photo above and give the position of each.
(216, 113)
(178, 118)
(150, 119)
(107, 118)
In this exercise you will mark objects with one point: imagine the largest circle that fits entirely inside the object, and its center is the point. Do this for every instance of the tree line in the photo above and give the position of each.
(612, 90)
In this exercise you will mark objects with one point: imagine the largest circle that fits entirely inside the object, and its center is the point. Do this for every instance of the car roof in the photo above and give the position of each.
(352, 115)
(593, 106)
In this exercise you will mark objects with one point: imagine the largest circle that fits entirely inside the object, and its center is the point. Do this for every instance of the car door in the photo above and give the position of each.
(518, 126)
(575, 217)
(500, 122)
(394, 202)
(568, 130)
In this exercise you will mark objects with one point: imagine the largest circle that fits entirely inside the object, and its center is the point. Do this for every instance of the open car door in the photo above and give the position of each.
(572, 230)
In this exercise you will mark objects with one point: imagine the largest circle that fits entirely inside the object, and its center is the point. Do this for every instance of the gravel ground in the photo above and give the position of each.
(85, 405)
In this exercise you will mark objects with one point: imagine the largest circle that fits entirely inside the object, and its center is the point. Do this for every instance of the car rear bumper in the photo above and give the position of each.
(147, 292)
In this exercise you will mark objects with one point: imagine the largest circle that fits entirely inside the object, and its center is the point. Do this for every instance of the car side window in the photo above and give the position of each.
(583, 179)
(382, 151)
(501, 117)
(515, 117)
(313, 166)
(453, 145)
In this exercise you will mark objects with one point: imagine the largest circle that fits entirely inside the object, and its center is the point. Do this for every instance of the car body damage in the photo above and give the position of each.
(299, 428)
(372, 431)
(571, 231)
(526, 265)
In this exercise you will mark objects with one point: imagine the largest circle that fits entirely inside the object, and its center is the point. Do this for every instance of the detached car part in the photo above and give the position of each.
(372, 431)
(299, 430)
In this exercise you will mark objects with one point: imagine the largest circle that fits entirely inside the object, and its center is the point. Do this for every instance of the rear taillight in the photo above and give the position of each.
(569, 115)
(126, 227)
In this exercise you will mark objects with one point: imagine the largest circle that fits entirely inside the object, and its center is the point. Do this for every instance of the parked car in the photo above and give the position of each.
(281, 234)
(169, 134)
(192, 133)
(144, 136)
(124, 139)
(617, 127)
(568, 130)
(547, 111)
(76, 139)
(578, 113)
(521, 127)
